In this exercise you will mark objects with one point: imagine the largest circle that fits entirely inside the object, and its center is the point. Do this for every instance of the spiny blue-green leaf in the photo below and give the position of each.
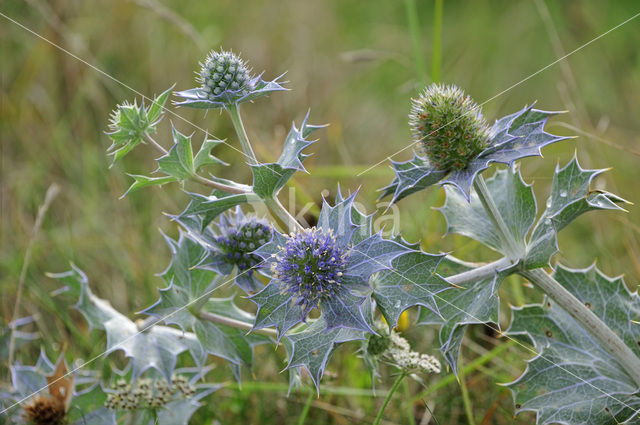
(411, 176)
(477, 303)
(188, 285)
(513, 137)
(209, 207)
(339, 218)
(573, 380)
(204, 157)
(20, 338)
(230, 343)
(570, 197)
(144, 181)
(276, 309)
(179, 161)
(411, 281)
(369, 256)
(156, 110)
(514, 199)
(344, 310)
(312, 347)
(157, 347)
(268, 179)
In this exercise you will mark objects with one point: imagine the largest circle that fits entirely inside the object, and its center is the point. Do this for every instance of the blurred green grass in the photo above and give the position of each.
(353, 64)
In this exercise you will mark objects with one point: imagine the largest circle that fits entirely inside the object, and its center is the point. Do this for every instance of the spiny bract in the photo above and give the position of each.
(449, 126)
(310, 267)
(224, 74)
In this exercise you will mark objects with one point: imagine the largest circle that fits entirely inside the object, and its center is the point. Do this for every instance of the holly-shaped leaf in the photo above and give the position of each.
(570, 197)
(157, 347)
(411, 281)
(573, 380)
(478, 302)
(313, 346)
(144, 181)
(210, 207)
(187, 284)
(269, 178)
(513, 198)
(180, 163)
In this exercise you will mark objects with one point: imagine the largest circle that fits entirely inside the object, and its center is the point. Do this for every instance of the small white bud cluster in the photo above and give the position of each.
(404, 358)
(148, 393)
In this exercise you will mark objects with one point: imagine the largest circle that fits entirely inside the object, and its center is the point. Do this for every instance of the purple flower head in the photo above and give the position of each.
(237, 242)
(310, 267)
(327, 267)
(232, 246)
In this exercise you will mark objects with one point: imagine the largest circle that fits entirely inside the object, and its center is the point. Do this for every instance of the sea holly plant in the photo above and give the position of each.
(239, 279)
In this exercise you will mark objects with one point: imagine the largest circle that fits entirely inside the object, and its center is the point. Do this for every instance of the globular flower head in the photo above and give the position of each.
(232, 246)
(237, 242)
(310, 267)
(327, 267)
(224, 76)
(449, 126)
(224, 81)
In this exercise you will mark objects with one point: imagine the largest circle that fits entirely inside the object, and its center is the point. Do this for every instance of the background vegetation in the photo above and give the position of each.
(355, 64)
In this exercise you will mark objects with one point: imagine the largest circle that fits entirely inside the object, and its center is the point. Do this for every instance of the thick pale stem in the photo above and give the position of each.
(278, 209)
(478, 273)
(592, 323)
(236, 119)
(223, 320)
(565, 299)
(393, 389)
(220, 186)
(513, 251)
(272, 203)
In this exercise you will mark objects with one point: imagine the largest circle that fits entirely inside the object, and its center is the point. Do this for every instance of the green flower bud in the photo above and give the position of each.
(378, 344)
(224, 74)
(449, 126)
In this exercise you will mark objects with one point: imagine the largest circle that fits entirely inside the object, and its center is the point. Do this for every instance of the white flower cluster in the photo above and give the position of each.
(148, 393)
(400, 352)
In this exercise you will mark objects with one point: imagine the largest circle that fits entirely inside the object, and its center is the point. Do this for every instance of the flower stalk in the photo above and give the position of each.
(394, 388)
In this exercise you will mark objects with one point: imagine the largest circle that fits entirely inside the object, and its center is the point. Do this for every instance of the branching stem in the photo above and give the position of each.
(272, 203)
(481, 272)
(223, 320)
(543, 280)
(278, 209)
(220, 186)
(592, 323)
